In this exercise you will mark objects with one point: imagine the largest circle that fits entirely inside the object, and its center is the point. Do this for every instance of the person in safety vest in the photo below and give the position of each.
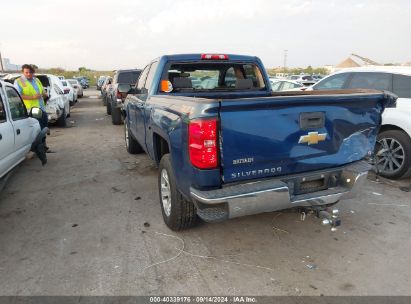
(32, 92)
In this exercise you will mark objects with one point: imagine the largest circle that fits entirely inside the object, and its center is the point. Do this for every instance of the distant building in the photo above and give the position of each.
(8, 66)
(354, 61)
(347, 63)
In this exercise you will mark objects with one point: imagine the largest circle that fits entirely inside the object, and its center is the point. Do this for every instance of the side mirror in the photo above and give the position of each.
(134, 90)
(36, 113)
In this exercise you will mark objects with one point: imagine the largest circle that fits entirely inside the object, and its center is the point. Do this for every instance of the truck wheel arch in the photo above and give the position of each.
(161, 147)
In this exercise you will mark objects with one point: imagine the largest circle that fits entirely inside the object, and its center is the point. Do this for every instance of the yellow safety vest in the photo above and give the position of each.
(29, 90)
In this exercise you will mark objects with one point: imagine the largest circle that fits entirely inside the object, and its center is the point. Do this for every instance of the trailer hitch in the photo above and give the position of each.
(327, 215)
(330, 217)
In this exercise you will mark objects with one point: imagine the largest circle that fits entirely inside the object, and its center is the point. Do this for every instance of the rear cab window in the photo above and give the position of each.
(128, 77)
(213, 77)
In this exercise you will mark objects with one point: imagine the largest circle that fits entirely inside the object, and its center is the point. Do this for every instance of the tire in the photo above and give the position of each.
(116, 116)
(132, 145)
(178, 213)
(393, 153)
(62, 121)
(108, 108)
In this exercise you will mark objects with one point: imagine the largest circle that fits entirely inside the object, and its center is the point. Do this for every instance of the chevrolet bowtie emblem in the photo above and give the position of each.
(312, 138)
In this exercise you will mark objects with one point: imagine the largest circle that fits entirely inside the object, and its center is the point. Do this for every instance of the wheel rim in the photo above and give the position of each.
(126, 134)
(390, 156)
(165, 192)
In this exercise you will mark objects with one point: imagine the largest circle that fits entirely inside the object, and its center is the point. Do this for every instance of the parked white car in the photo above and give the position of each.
(77, 87)
(393, 150)
(57, 105)
(279, 85)
(69, 91)
(19, 133)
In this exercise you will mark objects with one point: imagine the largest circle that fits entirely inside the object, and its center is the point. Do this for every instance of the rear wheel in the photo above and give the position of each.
(393, 153)
(115, 116)
(108, 108)
(62, 121)
(132, 145)
(178, 213)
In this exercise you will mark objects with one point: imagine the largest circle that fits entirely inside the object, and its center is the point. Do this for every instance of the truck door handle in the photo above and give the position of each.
(18, 131)
(1, 136)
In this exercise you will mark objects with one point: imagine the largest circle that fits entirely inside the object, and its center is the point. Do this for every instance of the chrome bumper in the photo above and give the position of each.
(278, 193)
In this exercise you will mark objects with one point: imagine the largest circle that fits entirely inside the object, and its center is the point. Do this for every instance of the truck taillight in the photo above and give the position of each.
(214, 57)
(202, 143)
(118, 95)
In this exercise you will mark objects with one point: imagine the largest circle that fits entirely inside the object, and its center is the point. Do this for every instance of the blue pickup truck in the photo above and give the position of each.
(227, 146)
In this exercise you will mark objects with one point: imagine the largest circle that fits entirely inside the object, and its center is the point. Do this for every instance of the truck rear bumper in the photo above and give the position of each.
(281, 193)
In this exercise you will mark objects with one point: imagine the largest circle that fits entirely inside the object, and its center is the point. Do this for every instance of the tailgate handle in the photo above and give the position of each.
(312, 120)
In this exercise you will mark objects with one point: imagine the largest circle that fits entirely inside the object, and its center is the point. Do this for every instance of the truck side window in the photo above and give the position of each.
(150, 76)
(17, 107)
(3, 117)
(335, 82)
(142, 78)
(402, 86)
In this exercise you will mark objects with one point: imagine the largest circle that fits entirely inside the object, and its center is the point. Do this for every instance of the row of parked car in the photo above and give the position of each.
(19, 130)
(111, 88)
(393, 150)
(62, 94)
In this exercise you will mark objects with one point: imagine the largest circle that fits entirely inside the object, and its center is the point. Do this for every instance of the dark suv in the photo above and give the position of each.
(115, 99)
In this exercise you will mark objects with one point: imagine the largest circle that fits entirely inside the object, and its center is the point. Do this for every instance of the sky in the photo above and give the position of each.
(108, 34)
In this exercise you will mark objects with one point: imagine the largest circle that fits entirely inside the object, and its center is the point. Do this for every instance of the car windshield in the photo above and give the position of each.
(205, 76)
(128, 77)
(73, 82)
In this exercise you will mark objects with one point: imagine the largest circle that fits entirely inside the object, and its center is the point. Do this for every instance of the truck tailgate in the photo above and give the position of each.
(271, 136)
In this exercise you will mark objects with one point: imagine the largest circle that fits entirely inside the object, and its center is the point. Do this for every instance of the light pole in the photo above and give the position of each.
(285, 60)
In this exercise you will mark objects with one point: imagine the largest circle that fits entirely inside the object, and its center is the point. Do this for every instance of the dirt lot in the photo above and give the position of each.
(89, 223)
